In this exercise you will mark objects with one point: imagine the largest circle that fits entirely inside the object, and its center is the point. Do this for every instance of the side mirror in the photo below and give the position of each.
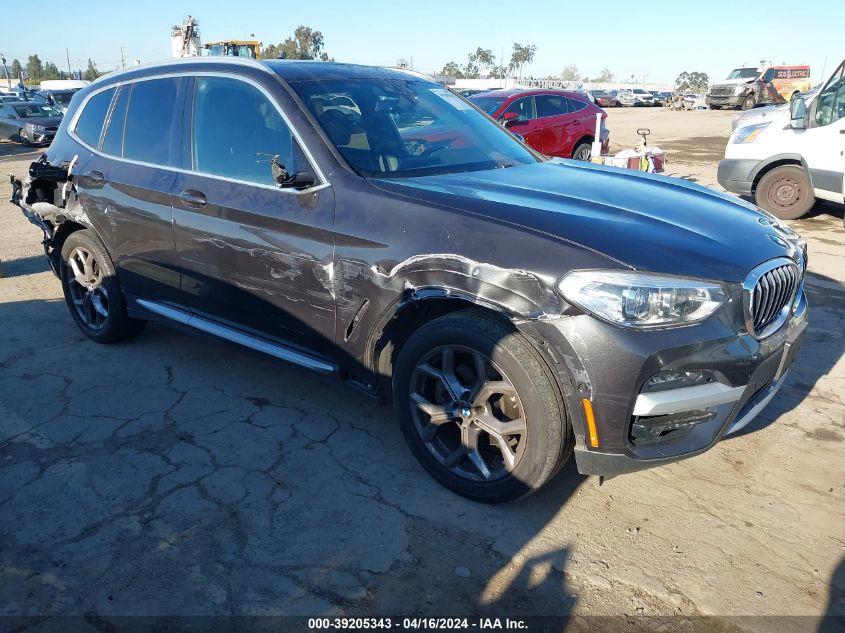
(511, 118)
(797, 113)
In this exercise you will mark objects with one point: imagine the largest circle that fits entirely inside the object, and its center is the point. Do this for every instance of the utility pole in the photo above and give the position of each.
(6, 70)
(122, 60)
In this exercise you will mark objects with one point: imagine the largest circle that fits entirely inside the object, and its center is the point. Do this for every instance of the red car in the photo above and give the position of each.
(554, 122)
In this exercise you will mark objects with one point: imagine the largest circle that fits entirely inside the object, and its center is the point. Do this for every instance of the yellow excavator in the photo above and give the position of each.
(234, 48)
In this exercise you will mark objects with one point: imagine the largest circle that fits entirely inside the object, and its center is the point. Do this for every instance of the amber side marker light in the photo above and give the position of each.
(591, 422)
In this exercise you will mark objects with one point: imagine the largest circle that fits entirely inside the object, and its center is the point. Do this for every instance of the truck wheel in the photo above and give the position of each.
(750, 102)
(785, 192)
(479, 408)
(92, 290)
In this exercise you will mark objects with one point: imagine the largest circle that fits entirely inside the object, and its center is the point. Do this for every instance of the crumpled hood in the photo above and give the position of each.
(645, 221)
(733, 82)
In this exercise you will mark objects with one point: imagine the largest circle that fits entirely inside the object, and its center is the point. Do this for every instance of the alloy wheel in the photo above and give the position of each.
(468, 413)
(87, 290)
(585, 153)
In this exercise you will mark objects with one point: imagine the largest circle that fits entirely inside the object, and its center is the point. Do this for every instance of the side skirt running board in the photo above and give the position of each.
(247, 340)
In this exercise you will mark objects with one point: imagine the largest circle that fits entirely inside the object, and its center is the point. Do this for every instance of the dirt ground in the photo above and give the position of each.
(181, 475)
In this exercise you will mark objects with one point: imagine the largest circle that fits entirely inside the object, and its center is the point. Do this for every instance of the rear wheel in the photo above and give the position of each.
(785, 192)
(92, 290)
(583, 151)
(479, 409)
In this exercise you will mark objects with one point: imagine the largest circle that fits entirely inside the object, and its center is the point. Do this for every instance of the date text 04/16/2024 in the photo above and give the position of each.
(417, 624)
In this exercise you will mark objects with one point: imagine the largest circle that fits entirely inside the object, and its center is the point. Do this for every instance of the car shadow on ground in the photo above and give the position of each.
(213, 480)
(24, 266)
(10, 148)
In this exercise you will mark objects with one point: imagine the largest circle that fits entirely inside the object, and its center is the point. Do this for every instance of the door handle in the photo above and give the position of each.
(193, 198)
(96, 177)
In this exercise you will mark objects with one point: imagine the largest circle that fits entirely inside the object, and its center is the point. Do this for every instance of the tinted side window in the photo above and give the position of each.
(551, 105)
(236, 129)
(150, 121)
(89, 125)
(113, 140)
(523, 107)
(575, 105)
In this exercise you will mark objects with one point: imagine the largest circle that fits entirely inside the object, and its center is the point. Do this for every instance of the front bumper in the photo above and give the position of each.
(41, 137)
(730, 101)
(737, 175)
(609, 366)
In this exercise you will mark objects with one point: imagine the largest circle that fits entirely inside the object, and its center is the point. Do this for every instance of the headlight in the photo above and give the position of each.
(35, 127)
(738, 90)
(749, 133)
(641, 299)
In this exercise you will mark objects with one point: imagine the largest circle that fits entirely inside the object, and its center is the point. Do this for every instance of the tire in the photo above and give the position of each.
(583, 151)
(715, 107)
(92, 290)
(517, 387)
(24, 138)
(785, 192)
(749, 102)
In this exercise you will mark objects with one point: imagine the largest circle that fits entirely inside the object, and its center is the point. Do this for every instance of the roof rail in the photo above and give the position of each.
(189, 61)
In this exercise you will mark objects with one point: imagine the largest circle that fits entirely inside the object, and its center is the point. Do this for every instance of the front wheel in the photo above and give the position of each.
(24, 138)
(92, 290)
(749, 102)
(785, 192)
(479, 409)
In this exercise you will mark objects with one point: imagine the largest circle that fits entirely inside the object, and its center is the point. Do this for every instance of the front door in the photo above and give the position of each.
(823, 142)
(528, 126)
(253, 256)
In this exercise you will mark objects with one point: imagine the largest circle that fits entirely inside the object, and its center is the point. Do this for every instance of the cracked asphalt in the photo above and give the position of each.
(181, 475)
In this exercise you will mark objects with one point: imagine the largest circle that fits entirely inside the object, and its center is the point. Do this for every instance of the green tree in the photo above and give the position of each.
(570, 73)
(16, 69)
(692, 82)
(270, 52)
(92, 73)
(306, 43)
(521, 56)
(452, 70)
(34, 68)
(605, 76)
(50, 71)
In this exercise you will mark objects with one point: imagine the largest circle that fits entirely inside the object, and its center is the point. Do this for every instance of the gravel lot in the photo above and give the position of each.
(181, 475)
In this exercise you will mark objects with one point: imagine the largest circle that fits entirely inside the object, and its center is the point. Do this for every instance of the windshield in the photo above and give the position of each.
(36, 110)
(487, 104)
(744, 73)
(62, 98)
(405, 127)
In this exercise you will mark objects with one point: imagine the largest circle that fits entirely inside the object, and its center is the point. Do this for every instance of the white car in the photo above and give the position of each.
(788, 157)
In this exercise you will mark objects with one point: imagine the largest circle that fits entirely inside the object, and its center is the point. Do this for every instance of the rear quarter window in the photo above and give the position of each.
(89, 125)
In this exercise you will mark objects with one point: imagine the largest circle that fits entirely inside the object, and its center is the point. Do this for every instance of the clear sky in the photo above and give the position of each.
(640, 37)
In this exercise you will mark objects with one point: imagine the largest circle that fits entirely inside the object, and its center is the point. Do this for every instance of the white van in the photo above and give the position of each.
(792, 156)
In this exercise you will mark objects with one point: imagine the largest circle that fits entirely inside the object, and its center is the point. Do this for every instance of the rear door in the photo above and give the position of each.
(126, 177)
(254, 256)
(553, 115)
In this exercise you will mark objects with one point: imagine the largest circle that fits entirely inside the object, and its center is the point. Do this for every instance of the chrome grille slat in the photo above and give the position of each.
(770, 289)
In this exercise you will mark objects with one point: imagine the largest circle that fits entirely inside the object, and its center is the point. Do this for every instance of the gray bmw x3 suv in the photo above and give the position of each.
(371, 224)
